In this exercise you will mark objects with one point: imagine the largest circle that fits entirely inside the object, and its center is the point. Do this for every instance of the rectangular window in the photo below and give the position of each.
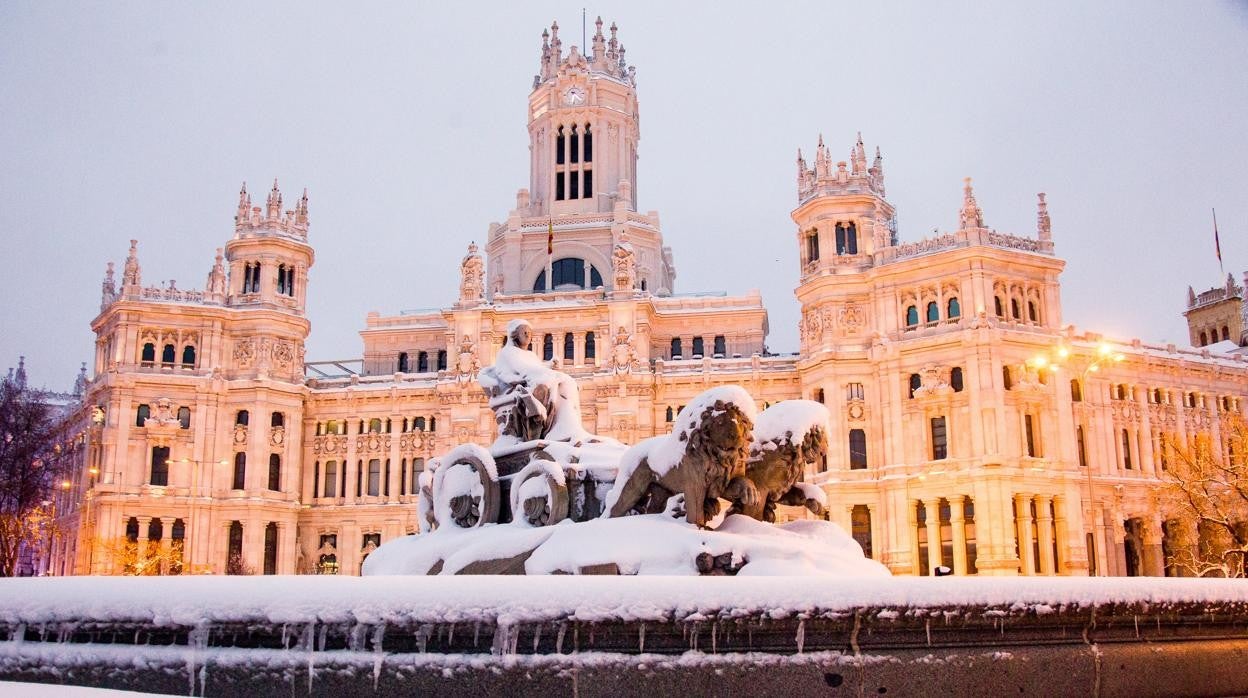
(589, 184)
(940, 443)
(331, 479)
(385, 480)
(1030, 430)
(240, 471)
(721, 346)
(574, 141)
(374, 477)
(860, 525)
(854, 391)
(857, 449)
(270, 549)
(574, 181)
(1079, 443)
(698, 347)
(160, 466)
(275, 472)
(1126, 449)
(418, 464)
(559, 185)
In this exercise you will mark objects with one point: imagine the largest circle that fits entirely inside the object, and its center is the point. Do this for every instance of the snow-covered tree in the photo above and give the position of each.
(1207, 488)
(27, 471)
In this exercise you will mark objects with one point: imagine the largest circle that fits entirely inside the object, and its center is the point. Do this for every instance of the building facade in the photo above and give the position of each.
(970, 427)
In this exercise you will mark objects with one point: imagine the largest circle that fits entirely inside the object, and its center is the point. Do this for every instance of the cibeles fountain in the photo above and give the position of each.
(548, 497)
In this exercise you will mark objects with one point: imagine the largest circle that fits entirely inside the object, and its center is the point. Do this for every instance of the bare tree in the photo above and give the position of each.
(27, 471)
(1207, 490)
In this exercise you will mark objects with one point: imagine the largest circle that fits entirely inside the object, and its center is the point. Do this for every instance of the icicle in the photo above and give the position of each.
(801, 635)
(927, 627)
(476, 633)
(379, 656)
(641, 639)
(450, 636)
(559, 638)
(715, 638)
(537, 636)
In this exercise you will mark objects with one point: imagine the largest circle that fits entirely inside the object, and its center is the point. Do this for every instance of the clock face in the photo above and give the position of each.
(574, 97)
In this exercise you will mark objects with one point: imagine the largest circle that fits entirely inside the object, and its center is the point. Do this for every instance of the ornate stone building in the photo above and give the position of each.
(970, 427)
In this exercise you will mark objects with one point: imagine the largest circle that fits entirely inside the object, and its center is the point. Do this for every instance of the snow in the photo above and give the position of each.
(190, 601)
(53, 690)
(789, 421)
(655, 544)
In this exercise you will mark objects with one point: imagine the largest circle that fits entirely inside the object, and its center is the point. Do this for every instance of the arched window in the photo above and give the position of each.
(591, 350)
(669, 415)
(184, 417)
(698, 347)
(188, 356)
(548, 347)
(1203, 340)
(160, 466)
(721, 346)
(441, 359)
(916, 382)
(270, 548)
(953, 309)
(933, 312)
(234, 549)
(168, 355)
(569, 347)
(240, 471)
(141, 415)
(1226, 333)
(575, 149)
(275, 472)
(955, 379)
(676, 352)
(1126, 449)
(912, 316)
(1014, 309)
(281, 279)
(857, 449)
(418, 423)
(559, 148)
(148, 357)
(277, 419)
(568, 273)
(1081, 447)
(374, 425)
(433, 424)
(997, 305)
(1032, 314)
(1076, 390)
(1006, 380)
(242, 417)
(589, 148)
(422, 362)
(403, 362)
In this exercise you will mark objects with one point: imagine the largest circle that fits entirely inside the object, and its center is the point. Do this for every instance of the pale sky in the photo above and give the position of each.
(406, 123)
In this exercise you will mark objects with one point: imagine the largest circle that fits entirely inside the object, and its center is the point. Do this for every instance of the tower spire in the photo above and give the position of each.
(1043, 225)
(971, 215)
(130, 275)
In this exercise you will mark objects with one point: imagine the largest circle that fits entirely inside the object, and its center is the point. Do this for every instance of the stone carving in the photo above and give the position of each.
(277, 436)
(498, 284)
(530, 399)
(130, 272)
(623, 356)
(709, 447)
(971, 216)
(852, 318)
(934, 381)
(789, 439)
(283, 354)
(472, 276)
(467, 364)
(108, 289)
(244, 352)
(624, 262)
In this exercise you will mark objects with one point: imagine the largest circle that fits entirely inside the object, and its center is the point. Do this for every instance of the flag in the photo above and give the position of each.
(1217, 244)
(550, 237)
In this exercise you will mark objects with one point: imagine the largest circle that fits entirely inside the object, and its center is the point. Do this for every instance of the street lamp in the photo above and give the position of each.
(1054, 361)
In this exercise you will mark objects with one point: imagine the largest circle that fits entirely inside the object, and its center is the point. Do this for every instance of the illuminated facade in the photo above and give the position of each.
(970, 428)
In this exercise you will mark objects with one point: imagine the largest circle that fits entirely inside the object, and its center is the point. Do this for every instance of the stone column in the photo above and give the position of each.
(1119, 540)
(1022, 522)
(1044, 530)
(912, 518)
(1147, 463)
(287, 552)
(877, 538)
(1152, 557)
(957, 520)
(932, 505)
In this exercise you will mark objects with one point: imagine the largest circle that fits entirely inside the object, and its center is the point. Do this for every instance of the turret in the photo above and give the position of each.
(268, 257)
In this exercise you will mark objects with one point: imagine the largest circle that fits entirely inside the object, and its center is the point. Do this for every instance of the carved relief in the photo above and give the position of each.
(467, 364)
(244, 352)
(623, 356)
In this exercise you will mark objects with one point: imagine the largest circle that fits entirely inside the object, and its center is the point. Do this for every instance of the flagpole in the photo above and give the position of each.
(550, 253)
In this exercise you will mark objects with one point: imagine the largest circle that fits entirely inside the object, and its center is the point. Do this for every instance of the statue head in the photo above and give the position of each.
(519, 333)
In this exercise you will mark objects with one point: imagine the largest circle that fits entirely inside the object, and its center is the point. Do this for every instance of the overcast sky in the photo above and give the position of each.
(406, 123)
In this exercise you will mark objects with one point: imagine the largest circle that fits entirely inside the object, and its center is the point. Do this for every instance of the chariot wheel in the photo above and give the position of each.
(539, 493)
(465, 489)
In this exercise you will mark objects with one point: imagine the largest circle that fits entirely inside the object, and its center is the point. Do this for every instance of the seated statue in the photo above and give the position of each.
(703, 459)
(789, 438)
(531, 400)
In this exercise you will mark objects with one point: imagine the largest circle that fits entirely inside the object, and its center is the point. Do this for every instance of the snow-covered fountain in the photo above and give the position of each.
(667, 573)
(548, 497)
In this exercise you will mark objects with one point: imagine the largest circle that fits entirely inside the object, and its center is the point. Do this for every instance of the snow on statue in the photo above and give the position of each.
(550, 497)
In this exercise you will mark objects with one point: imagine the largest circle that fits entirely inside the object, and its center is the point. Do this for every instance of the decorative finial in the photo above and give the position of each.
(1043, 225)
(971, 215)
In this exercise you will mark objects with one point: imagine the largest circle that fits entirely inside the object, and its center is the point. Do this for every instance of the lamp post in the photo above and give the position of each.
(1054, 361)
(196, 491)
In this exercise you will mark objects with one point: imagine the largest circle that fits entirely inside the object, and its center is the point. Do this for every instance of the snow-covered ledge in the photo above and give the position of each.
(334, 635)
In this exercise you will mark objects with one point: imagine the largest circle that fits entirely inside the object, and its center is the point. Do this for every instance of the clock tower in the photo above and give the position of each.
(583, 127)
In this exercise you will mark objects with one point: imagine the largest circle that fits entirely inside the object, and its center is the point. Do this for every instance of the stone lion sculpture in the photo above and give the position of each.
(790, 438)
(703, 459)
